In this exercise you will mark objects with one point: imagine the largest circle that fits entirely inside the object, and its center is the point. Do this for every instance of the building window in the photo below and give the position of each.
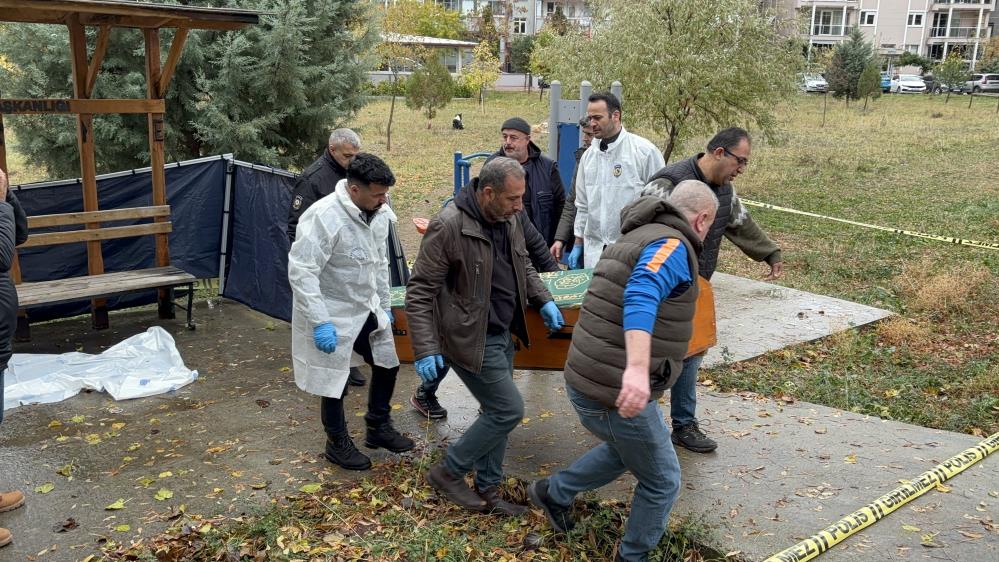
(935, 51)
(868, 17)
(912, 49)
(915, 19)
(828, 22)
(520, 26)
(549, 8)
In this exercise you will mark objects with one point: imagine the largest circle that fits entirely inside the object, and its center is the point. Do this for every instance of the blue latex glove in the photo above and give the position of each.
(574, 257)
(325, 337)
(391, 317)
(552, 316)
(429, 366)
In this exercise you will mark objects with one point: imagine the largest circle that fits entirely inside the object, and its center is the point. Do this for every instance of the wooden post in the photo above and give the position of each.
(156, 160)
(88, 161)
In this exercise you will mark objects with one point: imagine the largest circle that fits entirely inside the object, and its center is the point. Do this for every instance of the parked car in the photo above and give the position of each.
(812, 83)
(907, 84)
(885, 82)
(982, 83)
(934, 87)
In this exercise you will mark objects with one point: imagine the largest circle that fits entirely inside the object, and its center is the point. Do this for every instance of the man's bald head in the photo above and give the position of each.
(698, 204)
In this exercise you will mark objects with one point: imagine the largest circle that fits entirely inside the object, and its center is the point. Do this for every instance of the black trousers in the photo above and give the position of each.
(380, 388)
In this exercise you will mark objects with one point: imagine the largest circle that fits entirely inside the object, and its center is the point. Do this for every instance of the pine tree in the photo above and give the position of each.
(848, 63)
(268, 93)
(869, 83)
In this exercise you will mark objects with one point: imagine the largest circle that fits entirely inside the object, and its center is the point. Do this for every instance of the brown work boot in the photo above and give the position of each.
(496, 504)
(454, 488)
(11, 500)
(4, 537)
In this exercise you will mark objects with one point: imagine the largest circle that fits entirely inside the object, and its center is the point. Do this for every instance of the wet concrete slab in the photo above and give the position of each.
(243, 433)
(755, 317)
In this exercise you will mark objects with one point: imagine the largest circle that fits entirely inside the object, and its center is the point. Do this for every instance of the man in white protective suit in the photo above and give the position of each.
(338, 270)
(610, 175)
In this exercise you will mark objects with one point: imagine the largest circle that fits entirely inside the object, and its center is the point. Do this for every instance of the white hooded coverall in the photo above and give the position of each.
(338, 271)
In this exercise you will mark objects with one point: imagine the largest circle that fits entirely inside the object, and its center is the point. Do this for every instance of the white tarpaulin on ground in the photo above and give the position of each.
(142, 365)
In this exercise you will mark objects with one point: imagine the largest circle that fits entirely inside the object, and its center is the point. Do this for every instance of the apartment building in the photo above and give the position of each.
(932, 28)
(519, 17)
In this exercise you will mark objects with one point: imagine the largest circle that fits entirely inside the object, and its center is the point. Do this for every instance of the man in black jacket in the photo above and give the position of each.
(321, 177)
(318, 181)
(545, 194)
(726, 157)
(13, 231)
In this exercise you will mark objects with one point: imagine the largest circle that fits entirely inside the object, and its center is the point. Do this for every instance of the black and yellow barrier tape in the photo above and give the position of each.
(948, 239)
(878, 509)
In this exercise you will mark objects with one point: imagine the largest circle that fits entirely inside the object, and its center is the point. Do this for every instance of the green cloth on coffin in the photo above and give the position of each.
(566, 287)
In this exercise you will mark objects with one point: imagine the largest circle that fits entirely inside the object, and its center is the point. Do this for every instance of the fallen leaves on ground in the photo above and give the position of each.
(390, 515)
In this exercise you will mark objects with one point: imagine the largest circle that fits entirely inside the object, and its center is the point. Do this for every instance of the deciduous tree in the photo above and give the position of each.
(483, 72)
(951, 72)
(688, 66)
(430, 88)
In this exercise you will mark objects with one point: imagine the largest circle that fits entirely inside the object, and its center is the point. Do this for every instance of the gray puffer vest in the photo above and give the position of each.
(597, 356)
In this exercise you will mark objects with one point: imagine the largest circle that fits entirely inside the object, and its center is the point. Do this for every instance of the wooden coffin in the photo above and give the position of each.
(548, 351)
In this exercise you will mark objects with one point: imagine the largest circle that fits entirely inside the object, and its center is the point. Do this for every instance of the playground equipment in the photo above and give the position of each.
(564, 135)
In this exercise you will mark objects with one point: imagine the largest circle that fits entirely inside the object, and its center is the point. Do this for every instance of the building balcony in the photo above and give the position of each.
(831, 31)
(958, 33)
(943, 5)
(823, 3)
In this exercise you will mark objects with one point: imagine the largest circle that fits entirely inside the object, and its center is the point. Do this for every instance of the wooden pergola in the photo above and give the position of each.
(104, 15)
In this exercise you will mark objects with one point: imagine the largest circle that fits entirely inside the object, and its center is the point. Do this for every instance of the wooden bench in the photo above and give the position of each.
(97, 287)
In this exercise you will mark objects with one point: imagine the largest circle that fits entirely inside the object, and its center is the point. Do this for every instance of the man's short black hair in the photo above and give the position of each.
(368, 169)
(613, 104)
(728, 138)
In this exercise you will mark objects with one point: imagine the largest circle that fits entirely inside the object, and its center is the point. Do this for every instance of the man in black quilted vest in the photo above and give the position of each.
(726, 157)
(627, 348)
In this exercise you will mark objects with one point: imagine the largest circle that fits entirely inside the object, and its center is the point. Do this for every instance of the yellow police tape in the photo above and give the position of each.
(881, 507)
(959, 241)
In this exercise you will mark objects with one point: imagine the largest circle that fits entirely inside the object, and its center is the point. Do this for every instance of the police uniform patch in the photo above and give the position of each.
(297, 203)
(617, 170)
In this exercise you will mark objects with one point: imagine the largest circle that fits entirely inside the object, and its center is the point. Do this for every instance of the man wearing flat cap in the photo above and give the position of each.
(545, 195)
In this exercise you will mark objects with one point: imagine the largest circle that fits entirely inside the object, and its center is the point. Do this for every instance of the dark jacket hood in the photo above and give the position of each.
(467, 201)
(649, 209)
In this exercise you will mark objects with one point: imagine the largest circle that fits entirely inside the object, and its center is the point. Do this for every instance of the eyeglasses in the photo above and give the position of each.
(742, 160)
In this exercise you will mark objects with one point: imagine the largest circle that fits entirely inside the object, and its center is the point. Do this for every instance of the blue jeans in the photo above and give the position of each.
(1, 394)
(640, 445)
(483, 445)
(683, 395)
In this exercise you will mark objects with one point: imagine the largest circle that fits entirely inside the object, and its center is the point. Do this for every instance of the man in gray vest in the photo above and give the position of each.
(627, 348)
(727, 156)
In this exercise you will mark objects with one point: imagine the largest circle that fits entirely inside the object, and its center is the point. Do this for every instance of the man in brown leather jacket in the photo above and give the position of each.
(471, 285)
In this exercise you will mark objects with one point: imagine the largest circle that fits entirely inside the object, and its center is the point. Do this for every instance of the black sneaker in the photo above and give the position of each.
(558, 516)
(427, 405)
(386, 437)
(691, 437)
(340, 450)
(356, 377)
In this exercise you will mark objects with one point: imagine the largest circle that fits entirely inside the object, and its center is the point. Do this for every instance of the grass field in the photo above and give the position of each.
(908, 162)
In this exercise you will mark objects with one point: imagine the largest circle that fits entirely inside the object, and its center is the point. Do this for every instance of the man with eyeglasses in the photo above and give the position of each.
(727, 156)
